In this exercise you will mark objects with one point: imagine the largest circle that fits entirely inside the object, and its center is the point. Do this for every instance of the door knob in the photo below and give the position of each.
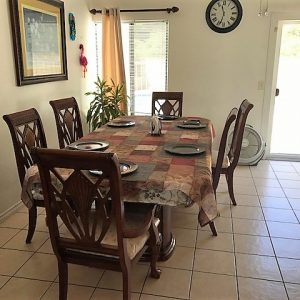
(277, 92)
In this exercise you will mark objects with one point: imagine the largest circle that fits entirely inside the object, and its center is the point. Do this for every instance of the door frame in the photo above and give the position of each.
(276, 22)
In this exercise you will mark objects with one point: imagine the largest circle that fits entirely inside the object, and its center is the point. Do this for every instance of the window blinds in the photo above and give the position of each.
(145, 46)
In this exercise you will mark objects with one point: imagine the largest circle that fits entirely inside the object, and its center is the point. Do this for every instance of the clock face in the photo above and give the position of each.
(224, 15)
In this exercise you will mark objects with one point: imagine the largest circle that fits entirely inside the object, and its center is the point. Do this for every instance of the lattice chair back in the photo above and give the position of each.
(27, 132)
(90, 207)
(167, 103)
(68, 121)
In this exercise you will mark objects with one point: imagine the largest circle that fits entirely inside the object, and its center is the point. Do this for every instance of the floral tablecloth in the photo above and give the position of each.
(161, 177)
(164, 178)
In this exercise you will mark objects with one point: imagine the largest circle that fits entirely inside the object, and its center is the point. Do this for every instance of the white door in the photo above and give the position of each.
(284, 82)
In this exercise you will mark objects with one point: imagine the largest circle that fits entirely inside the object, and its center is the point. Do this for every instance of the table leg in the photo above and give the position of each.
(167, 238)
(165, 227)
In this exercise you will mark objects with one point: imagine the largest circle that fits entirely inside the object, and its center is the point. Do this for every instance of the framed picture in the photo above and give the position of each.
(38, 28)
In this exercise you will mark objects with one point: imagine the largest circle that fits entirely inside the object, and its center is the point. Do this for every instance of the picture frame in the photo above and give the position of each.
(39, 40)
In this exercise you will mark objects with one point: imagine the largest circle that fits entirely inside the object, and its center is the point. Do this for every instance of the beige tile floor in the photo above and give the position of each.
(255, 256)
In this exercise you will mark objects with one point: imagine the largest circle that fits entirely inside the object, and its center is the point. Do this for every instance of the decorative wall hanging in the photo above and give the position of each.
(83, 60)
(38, 29)
(72, 27)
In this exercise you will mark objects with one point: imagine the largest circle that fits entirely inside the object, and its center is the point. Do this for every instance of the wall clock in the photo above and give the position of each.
(224, 15)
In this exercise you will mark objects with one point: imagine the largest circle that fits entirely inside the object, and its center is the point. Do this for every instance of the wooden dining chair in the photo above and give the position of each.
(68, 121)
(219, 158)
(167, 103)
(97, 231)
(230, 160)
(26, 131)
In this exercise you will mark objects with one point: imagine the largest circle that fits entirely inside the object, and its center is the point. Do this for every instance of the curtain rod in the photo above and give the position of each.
(173, 9)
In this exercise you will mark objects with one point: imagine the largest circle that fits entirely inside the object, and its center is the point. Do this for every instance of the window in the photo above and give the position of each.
(145, 47)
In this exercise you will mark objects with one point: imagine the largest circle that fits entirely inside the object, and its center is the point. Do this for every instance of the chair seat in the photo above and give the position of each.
(225, 163)
(134, 219)
(134, 245)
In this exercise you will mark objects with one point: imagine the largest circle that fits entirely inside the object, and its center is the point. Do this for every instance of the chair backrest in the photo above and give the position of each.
(87, 205)
(238, 132)
(68, 121)
(167, 103)
(27, 132)
(222, 147)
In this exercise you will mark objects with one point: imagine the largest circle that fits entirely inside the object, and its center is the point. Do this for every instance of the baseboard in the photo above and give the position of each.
(284, 157)
(10, 211)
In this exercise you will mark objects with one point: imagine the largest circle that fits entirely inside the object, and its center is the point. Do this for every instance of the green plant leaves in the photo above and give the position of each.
(106, 103)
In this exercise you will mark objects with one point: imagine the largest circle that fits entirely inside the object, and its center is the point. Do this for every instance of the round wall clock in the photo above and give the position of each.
(224, 15)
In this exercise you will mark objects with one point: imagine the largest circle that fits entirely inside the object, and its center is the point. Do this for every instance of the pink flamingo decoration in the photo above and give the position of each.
(83, 60)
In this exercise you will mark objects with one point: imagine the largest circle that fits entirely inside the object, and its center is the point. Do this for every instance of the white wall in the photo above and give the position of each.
(13, 98)
(215, 71)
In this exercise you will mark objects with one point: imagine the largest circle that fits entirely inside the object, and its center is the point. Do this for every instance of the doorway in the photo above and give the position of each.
(281, 106)
(286, 118)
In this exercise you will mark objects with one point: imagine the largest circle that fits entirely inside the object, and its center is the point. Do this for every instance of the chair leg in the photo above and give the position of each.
(213, 228)
(216, 179)
(63, 280)
(31, 224)
(126, 283)
(229, 179)
(155, 244)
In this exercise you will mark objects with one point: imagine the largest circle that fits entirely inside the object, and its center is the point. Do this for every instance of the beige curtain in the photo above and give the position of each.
(112, 51)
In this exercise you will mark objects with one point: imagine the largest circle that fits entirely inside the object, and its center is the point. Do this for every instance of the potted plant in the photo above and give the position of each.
(106, 103)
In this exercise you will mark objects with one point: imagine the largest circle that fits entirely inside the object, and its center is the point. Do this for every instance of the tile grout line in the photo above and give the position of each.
(35, 252)
(11, 237)
(194, 255)
(32, 254)
(273, 244)
(234, 253)
(145, 279)
(95, 289)
(286, 195)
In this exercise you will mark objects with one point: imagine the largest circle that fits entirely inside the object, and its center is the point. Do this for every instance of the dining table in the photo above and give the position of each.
(162, 177)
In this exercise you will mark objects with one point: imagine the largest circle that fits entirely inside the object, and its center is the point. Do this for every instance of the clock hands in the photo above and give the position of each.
(223, 13)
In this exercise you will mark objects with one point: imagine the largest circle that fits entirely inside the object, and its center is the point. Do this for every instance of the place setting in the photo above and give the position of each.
(89, 145)
(192, 124)
(184, 149)
(121, 123)
(126, 168)
(168, 117)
